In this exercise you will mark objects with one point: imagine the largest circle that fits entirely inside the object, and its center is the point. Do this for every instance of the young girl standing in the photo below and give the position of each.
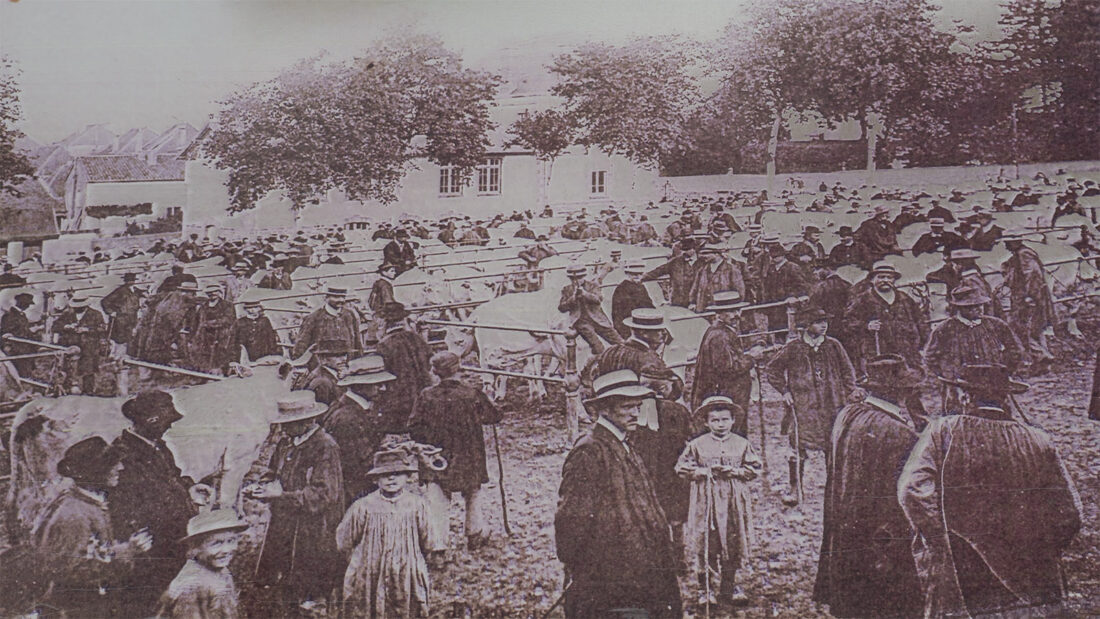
(384, 534)
(718, 534)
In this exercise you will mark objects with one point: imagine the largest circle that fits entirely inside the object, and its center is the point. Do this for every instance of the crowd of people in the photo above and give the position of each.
(964, 508)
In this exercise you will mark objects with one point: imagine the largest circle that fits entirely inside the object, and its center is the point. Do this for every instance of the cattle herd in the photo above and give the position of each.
(166, 400)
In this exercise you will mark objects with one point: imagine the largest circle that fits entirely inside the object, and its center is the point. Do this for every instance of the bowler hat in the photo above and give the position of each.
(986, 378)
(298, 405)
(967, 295)
(445, 363)
(890, 372)
(617, 384)
(811, 230)
(845, 231)
(88, 460)
(393, 461)
(213, 521)
(147, 405)
(24, 295)
(812, 316)
(393, 311)
(366, 370)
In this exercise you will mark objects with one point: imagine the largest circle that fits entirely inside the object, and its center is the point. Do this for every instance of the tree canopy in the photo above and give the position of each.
(14, 166)
(353, 125)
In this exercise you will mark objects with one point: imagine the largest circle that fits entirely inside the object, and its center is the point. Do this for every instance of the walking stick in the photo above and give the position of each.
(500, 469)
(763, 432)
(706, 544)
(797, 457)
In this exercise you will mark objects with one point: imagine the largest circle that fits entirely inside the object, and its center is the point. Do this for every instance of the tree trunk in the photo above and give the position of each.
(546, 169)
(773, 144)
(871, 133)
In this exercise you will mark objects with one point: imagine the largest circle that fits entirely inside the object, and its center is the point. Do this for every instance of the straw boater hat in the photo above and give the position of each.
(576, 270)
(881, 209)
(298, 405)
(646, 318)
(214, 521)
(967, 295)
(964, 254)
(890, 372)
(885, 268)
(716, 403)
(635, 268)
(936, 221)
(617, 384)
(727, 301)
(336, 291)
(987, 378)
(393, 461)
(771, 239)
(251, 303)
(188, 286)
(78, 300)
(368, 370)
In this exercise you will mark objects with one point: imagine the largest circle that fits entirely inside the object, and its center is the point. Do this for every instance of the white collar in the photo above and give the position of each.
(612, 428)
(883, 405)
(968, 322)
(363, 403)
(813, 342)
(331, 311)
(970, 270)
(298, 440)
(98, 498)
(143, 439)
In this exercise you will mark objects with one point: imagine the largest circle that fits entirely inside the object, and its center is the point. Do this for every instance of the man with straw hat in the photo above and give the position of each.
(16, 323)
(722, 366)
(648, 334)
(714, 272)
(581, 299)
(204, 586)
(865, 566)
(629, 295)
(992, 506)
(331, 327)
(210, 345)
(450, 416)
(82, 326)
(121, 306)
(884, 320)
(813, 374)
(610, 531)
(253, 332)
(354, 422)
(1031, 312)
(302, 482)
(969, 336)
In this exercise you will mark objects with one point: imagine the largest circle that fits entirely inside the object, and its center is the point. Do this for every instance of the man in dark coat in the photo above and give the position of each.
(992, 505)
(865, 568)
(121, 306)
(642, 350)
(400, 252)
(277, 278)
(524, 232)
(15, 323)
(629, 295)
(937, 239)
(581, 299)
(970, 337)
(449, 415)
(254, 332)
(211, 327)
(300, 478)
(331, 327)
(177, 277)
(8, 279)
(986, 234)
(153, 495)
(809, 249)
(715, 273)
(610, 531)
(877, 235)
(1032, 314)
(910, 214)
(408, 357)
(846, 251)
(681, 272)
(159, 333)
(884, 320)
(660, 443)
(723, 366)
(84, 327)
(815, 378)
(353, 421)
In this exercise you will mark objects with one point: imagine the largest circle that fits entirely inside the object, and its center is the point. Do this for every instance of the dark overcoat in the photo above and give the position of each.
(660, 450)
(355, 429)
(722, 368)
(328, 332)
(91, 338)
(902, 331)
(612, 534)
(257, 336)
(628, 296)
(450, 415)
(819, 382)
(681, 274)
(123, 303)
(408, 357)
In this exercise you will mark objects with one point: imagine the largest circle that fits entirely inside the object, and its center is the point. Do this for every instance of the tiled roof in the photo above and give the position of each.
(123, 168)
(29, 217)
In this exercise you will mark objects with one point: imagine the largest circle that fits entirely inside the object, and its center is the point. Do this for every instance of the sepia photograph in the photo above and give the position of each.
(559, 309)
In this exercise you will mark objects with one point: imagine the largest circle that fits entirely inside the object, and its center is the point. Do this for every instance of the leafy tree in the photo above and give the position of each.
(356, 126)
(546, 133)
(14, 165)
(631, 99)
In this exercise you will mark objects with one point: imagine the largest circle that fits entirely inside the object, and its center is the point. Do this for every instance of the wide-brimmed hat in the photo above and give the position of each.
(718, 402)
(617, 384)
(366, 370)
(78, 300)
(726, 301)
(213, 521)
(986, 378)
(129, 277)
(881, 209)
(188, 286)
(90, 459)
(811, 230)
(393, 311)
(386, 265)
(24, 295)
(635, 268)
(845, 231)
(646, 318)
(890, 372)
(298, 405)
(885, 268)
(147, 405)
(393, 461)
(812, 315)
(966, 295)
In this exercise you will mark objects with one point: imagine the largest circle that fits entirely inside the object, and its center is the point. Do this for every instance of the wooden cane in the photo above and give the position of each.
(500, 469)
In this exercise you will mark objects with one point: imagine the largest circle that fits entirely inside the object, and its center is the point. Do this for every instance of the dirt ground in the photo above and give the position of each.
(521, 577)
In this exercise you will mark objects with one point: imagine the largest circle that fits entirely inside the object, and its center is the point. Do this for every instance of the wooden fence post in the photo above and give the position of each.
(572, 387)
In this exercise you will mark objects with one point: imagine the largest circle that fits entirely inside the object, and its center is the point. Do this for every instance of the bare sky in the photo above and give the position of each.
(156, 62)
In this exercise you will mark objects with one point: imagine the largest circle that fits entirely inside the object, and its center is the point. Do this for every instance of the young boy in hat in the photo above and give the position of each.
(204, 586)
(383, 535)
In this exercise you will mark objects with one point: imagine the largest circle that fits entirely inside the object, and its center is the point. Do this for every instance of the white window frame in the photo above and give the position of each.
(487, 185)
(450, 182)
(598, 186)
